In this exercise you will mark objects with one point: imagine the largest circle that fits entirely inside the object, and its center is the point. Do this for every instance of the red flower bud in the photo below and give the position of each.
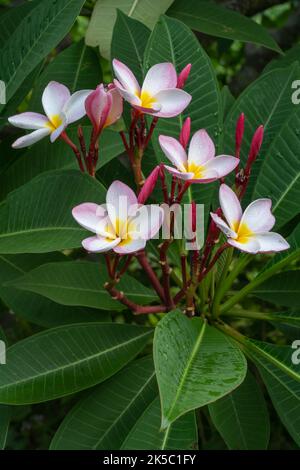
(149, 185)
(185, 133)
(239, 133)
(183, 76)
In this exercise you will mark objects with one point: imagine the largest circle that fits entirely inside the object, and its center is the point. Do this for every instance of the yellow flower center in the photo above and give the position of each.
(54, 122)
(122, 229)
(242, 230)
(196, 169)
(147, 101)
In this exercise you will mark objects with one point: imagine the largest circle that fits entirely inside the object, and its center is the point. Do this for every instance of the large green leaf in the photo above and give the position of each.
(36, 35)
(80, 283)
(146, 434)
(129, 42)
(209, 18)
(44, 156)
(266, 101)
(5, 415)
(104, 15)
(282, 379)
(279, 177)
(11, 19)
(172, 41)
(67, 359)
(103, 419)
(77, 67)
(195, 364)
(33, 307)
(37, 217)
(290, 56)
(241, 417)
(282, 289)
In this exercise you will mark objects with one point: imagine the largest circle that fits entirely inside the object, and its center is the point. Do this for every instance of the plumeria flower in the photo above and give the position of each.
(200, 164)
(61, 108)
(122, 224)
(158, 95)
(104, 107)
(248, 231)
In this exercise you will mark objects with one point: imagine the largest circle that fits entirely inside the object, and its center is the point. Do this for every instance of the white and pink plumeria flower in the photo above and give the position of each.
(200, 165)
(122, 224)
(158, 96)
(61, 109)
(248, 231)
(104, 107)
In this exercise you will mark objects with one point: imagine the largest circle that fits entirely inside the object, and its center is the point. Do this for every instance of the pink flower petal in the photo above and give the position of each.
(222, 165)
(258, 216)
(223, 226)
(54, 98)
(174, 151)
(31, 138)
(74, 108)
(172, 101)
(133, 99)
(146, 223)
(160, 77)
(28, 120)
(152, 111)
(99, 244)
(130, 246)
(230, 205)
(126, 77)
(251, 246)
(97, 106)
(120, 199)
(271, 241)
(116, 109)
(89, 215)
(183, 176)
(201, 148)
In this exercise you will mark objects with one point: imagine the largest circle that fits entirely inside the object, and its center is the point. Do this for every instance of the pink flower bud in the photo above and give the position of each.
(183, 76)
(255, 145)
(239, 133)
(149, 185)
(185, 133)
(104, 107)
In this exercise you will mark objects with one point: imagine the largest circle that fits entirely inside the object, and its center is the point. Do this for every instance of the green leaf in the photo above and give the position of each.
(77, 67)
(146, 434)
(37, 218)
(195, 364)
(34, 307)
(104, 15)
(37, 34)
(11, 19)
(216, 20)
(266, 101)
(44, 156)
(129, 42)
(103, 419)
(67, 359)
(286, 60)
(279, 177)
(5, 415)
(80, 283)
(281, 289)
(172, 41)
(282, 380)
(290, 255)
(241, 417)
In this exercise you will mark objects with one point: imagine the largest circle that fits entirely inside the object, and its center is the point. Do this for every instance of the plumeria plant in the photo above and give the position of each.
(150, 253)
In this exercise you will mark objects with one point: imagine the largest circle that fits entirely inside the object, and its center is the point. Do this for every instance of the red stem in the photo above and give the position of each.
(75, 149)
(217, 255)
(149, 135)
(143, 260)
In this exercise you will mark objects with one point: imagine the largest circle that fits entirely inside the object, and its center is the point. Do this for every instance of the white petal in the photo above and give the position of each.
(56, 133)
(54, 98)
(89, 215)
(271, 241)
(223, 226)
(222, 165)
(31, 138)
(258, 216)
(201, 148)
(130, 246)
(230, 205)
(74, 108)
(28, 120)
(126, 77)
(160, 77)
(172, 102)
(250, 246)
(99, 244)
(173, 151)
(127, 95)
(119, 199)
(146, 223)
(183, 176)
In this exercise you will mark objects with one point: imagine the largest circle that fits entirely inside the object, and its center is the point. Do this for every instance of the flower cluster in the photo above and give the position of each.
(124, 224)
